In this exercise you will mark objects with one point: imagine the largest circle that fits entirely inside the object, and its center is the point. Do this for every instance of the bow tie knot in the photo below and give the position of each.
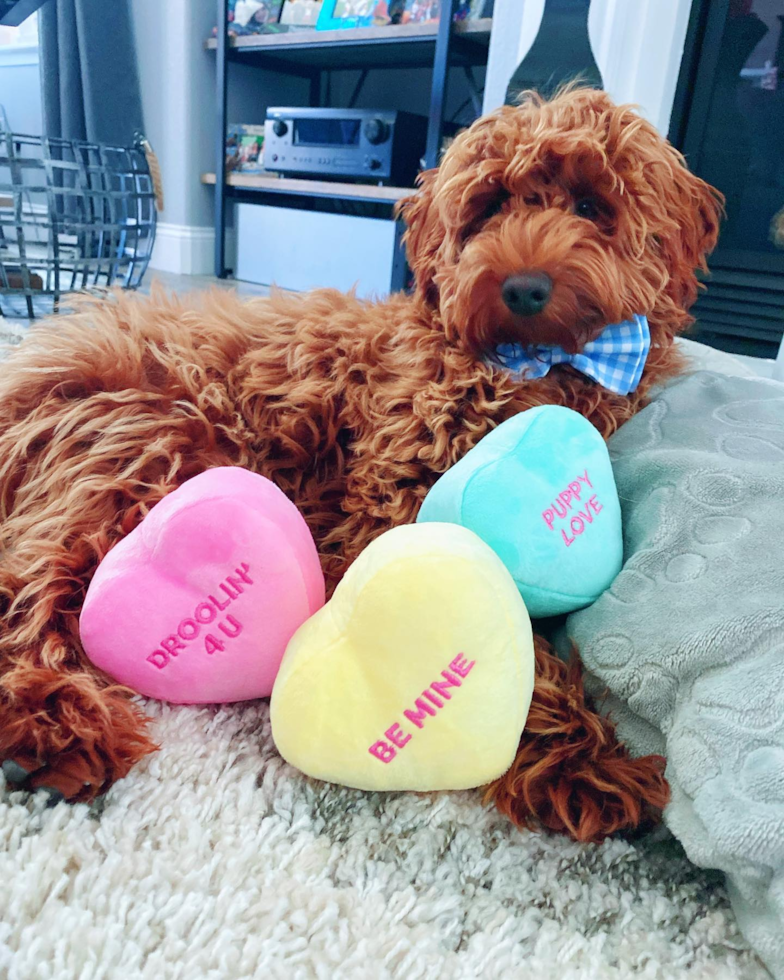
(614, 360)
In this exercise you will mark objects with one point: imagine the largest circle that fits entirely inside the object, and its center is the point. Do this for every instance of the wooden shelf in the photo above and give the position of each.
(402, 45)
(312, 188)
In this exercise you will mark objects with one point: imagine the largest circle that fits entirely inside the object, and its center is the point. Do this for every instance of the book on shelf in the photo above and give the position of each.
(245, 149)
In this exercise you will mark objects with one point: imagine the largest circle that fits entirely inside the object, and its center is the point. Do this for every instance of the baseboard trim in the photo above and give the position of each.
(184, 249)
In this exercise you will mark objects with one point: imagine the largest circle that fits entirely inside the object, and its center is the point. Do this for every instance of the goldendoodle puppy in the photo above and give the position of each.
(545, 223)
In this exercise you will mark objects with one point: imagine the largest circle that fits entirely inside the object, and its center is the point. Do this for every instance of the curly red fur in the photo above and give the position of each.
(571, 772)
(354, 409)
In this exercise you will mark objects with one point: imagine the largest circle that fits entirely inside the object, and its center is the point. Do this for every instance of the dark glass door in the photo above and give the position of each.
(729, 121)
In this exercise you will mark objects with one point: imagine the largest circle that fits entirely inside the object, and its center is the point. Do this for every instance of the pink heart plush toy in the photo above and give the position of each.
(198, 603)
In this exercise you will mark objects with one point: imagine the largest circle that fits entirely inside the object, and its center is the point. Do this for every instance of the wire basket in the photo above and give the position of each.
(74, 216)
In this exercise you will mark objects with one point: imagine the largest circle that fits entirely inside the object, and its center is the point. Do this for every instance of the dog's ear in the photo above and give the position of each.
(451, 196)
(690, 212)
(699, 209)
(424, 234)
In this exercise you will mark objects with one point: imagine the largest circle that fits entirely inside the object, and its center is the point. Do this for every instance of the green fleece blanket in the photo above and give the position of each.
(689, 639)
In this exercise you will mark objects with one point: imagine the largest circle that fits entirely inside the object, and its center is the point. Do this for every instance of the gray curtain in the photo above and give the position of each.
(89, 76)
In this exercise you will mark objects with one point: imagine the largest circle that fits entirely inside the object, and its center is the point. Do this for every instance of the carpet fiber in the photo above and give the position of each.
(215, 859)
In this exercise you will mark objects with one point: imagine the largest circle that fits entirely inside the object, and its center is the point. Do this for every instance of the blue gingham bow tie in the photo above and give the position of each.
(615, 359)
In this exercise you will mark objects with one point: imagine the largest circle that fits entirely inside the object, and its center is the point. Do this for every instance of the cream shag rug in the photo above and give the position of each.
(215, 859)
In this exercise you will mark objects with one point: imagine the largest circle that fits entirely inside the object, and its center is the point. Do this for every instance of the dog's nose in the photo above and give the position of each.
(527, 293)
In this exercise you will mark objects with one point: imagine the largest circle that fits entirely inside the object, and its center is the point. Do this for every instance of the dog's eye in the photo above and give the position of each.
(587, 207)
(495, 207)
(533, 201)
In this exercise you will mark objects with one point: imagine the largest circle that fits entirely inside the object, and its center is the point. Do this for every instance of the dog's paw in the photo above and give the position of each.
(66, 733)
(14, 772)
(18, 777)
(55, 782)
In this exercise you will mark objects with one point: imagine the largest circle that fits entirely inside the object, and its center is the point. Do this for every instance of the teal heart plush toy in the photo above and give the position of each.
(540, 491)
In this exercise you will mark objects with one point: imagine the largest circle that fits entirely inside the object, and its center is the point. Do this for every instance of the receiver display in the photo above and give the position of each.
(326, 132)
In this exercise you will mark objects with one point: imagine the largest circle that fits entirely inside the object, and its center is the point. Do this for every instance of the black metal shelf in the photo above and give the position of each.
(440, 45)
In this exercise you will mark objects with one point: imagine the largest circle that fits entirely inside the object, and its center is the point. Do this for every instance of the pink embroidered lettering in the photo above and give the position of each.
(188, 629)
(383, 751)
(205, 613)
(171, 645)
(585, 479)
(237, 627)
(235, 582)
(586, 514)
(461, 666)
(442, 687)
(564, 503)
(397, 736)
(432, 700)
(594, 503)
(418, 716)
(212, 643)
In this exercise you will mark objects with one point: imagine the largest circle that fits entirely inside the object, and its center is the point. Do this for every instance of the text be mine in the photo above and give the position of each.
(428, 705)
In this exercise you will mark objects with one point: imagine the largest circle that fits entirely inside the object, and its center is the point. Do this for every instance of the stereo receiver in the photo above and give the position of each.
(370, 145)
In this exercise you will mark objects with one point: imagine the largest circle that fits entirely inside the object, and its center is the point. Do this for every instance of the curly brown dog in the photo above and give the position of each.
(354, 409)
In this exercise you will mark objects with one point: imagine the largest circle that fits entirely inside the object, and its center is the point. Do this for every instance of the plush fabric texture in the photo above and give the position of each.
(416, 675)
(197, 603)
(615, 360)
(539, 489)
(214, 859)
(690, 638)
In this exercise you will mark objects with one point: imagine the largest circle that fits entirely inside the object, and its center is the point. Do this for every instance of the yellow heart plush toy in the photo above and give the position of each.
(416, 675)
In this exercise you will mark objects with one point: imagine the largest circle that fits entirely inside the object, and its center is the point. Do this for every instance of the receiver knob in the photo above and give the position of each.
(376, 131)
(279, 128)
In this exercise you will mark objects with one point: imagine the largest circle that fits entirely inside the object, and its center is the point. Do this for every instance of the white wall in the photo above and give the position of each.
(638, 45)
(20, 88)
(176, 78)
(20, 91)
